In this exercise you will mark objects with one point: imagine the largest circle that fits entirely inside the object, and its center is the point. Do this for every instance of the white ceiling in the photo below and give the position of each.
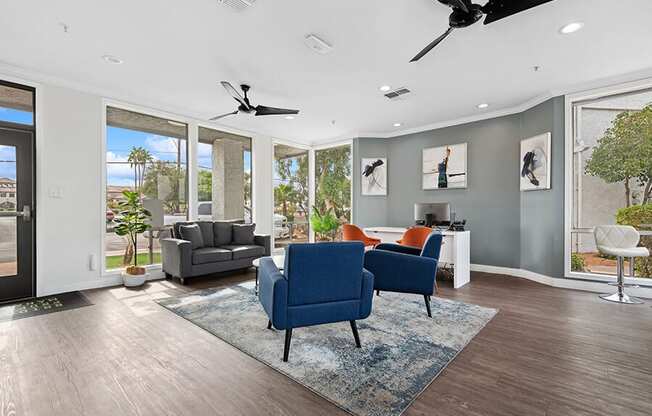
(175, 53)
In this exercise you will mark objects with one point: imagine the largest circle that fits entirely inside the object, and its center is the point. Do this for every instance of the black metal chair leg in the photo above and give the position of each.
(286, 349)
(427, 299)
(269, 324)
(354, 328)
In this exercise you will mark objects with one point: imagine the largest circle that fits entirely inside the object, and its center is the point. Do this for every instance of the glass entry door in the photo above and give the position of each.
(16, 214)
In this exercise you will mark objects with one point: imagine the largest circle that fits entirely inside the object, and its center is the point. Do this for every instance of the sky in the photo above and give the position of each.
(119, 143)
(8, 153)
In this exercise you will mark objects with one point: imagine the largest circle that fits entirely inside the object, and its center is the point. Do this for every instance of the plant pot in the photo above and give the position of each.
(134, 280)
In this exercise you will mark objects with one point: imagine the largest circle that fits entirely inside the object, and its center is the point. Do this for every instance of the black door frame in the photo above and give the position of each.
(32, 130)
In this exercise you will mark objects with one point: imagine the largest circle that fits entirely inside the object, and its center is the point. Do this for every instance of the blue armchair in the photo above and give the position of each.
(405, 269)
(321, 283)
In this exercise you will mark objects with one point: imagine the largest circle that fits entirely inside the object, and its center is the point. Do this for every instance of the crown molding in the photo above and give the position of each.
(35, 78)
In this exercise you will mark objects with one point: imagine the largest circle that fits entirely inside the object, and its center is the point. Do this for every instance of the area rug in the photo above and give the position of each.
(42, 306)
(402, 349)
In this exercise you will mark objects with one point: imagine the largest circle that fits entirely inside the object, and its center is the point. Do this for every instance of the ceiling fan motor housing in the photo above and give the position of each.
(459, 18)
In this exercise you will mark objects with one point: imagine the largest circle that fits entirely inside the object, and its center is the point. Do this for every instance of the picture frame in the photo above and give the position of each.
(535, 163)
(444, 167)
(373, 176)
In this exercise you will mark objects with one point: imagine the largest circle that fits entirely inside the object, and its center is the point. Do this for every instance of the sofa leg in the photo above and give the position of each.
(182, 280)
(286, 349)
(427, 299)
(168, 276)
(354, 328)
(269, 324)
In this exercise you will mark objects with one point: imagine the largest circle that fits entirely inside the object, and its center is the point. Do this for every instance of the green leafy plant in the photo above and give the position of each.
(577, 262)
(324, 223)
(624, 154)
(131, 221)
(639, 216)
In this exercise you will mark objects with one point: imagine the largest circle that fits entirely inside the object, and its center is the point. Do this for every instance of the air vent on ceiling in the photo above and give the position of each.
(395, 94)
(237, 4)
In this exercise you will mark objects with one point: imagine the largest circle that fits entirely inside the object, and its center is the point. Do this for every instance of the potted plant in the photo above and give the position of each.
(131, 221)
(324, 224)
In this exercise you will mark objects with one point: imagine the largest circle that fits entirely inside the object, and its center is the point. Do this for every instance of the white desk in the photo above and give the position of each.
(455, 249)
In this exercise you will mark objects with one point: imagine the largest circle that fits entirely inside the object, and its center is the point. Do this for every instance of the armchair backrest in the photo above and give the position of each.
(415, 236)
(323, 272)
(432, 246)
(351, 232)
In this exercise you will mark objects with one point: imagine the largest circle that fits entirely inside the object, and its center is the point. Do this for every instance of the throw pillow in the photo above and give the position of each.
(192, 233)
(222, 233)
(243, 234)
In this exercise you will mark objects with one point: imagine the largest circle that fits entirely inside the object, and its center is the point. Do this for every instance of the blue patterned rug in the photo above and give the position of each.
(402, 349)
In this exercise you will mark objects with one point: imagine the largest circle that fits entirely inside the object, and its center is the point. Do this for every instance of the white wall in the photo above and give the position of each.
(69, 194)
(68, 161)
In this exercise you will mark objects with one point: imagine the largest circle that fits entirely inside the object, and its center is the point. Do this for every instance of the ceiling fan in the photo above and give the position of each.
(465, 13)
(246, 106)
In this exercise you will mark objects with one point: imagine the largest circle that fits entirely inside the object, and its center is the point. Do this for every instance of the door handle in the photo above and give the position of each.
(26, 213)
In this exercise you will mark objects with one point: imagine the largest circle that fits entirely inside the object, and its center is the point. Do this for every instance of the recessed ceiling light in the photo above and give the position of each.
(289, 117)
(571, 28)
(483, 106)
(385, 88)
(397, 124)
(112, 59)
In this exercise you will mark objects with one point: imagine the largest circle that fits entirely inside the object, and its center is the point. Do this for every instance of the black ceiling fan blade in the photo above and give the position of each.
(261, 110)
(458, 4)
(431, 45)
(500, 9)
(223, 115)
(235, 94)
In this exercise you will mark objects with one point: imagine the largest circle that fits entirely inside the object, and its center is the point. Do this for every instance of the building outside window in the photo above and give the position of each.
(148, 155)
(224, 176)
(611, 177)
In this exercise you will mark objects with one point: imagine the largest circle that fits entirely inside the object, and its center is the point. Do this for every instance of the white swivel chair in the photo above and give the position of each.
(620, 241)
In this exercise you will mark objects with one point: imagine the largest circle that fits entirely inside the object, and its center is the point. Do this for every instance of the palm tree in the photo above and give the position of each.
(285, 194)
(138, 159)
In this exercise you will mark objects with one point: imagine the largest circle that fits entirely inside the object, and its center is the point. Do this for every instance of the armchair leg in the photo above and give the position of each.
(378, 293)
(427, 299)
(286, 349)
(354, 328)
(269, 324)
(182, 280)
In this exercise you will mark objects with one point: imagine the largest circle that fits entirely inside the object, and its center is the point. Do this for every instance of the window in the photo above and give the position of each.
(224, 176)
(332, 191)
(611, 166)
(16, 104)
(148, 155)
(291, 199)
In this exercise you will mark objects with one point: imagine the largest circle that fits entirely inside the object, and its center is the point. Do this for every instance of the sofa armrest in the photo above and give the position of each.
(176, 256)
(273, 292)
(397, 248)
(367, 294)
(264, 240)
(399, 272)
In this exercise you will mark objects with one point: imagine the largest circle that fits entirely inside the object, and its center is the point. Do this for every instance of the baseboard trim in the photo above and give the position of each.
(564, 283)
(104, 281)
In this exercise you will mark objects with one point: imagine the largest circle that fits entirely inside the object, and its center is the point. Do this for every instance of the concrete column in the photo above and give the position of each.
(228, 180)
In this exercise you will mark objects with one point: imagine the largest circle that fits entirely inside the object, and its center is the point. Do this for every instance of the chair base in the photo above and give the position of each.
(622, 298)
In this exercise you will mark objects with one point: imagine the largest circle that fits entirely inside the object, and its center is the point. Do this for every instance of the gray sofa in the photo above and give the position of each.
(223, 246)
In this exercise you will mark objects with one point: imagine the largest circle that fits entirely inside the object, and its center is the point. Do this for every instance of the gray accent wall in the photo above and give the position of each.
(501, 233)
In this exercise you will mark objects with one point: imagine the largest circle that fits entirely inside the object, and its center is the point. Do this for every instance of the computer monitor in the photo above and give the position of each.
(438, 213)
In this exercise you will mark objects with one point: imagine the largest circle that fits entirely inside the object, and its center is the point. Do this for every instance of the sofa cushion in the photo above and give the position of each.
(245, 251)
(210, 255)
(243, 234)
(206, 228)
(222, 233)
(192, 233)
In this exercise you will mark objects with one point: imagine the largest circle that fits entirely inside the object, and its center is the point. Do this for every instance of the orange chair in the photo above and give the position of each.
(415, 237)
(351, 232)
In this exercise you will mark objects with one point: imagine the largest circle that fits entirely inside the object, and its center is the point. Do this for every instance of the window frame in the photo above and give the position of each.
(106, 103)
(571, 100)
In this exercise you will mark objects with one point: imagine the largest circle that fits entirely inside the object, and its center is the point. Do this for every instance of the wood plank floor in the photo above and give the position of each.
(548, 351)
